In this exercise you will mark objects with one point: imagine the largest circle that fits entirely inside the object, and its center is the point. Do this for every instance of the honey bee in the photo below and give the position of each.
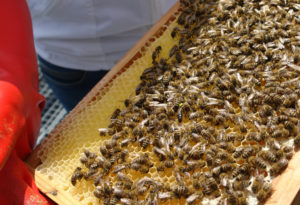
(265, 111)
(160, 168)
(247, 152)
(103, 131)
(135, 166)
(209, 159)
(164, 196)
(273, 144)
(174, 32)
(180, 190)
(257, 184)
(179, 115)
(156, 53)
(268, 155)
(169, 163)
(90, 174)
(103, 150)
(230, 137)
(240, 185)
(144, 142)
(83, 159)
(120, 193)
(113, 200)
(289, 125)
(194, 197)
(297, 140)
(110, 144)
(264, 192)
(278, 166)
(127, 201)
(277, 133)
(124, 142)
(254, 136)
(231, 199)
(288, 155)
(238, 152)
(227, 167)
(115, 114)
(211, 182)
(208, 118)
(178, 57)
(99, 192)
(173, 51)
(219, 119)
(206, 189)
(77, 175)
(160, 153)
(257, 161)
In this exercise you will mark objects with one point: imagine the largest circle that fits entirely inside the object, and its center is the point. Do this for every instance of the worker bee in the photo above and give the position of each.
(144, 142)
(173, 51)
(156, 53)
(247, 152)
(208, 118)
(178, 57)
(238, 152)
(278, 166)
(174, 32)
(124, 142)
(109, 144)
(254, 136)
(77, 175)
(160, 153)
(135, 166)
(103, 131)
(289, 125)
(115, 114)
(230, 137)
(206, 189)
(219, 119)
(267, 155)
(258, 162)
(180, 190)
(169, 163)
(90, 174)
(257, 184)
(83, 159)
(240, 185)
(273, 144)
(264, 192)
(99, 193)
(126, 181)
(103, 150)
(194, 197)
(121, 193)
(211, 182)
(179, 115)
(297, 140)
(265, 111)
(227, 167)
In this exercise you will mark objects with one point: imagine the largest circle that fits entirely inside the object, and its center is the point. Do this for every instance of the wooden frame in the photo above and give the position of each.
(285, 186)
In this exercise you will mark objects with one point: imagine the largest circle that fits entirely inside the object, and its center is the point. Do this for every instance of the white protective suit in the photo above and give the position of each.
(91, 34)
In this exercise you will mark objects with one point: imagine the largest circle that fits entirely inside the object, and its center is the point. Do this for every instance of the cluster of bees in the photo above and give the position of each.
(220, 113)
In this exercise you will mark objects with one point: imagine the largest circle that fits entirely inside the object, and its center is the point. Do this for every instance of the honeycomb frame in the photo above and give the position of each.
(58, 192)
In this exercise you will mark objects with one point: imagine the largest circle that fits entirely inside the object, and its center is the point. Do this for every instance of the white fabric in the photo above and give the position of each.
(91, 34)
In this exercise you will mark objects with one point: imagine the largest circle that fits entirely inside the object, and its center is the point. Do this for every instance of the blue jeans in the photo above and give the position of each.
(69, 85)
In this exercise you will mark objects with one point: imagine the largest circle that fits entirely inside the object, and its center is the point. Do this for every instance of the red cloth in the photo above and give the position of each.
(20, 104)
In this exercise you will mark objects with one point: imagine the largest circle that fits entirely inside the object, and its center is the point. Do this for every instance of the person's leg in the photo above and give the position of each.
(69, 85)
